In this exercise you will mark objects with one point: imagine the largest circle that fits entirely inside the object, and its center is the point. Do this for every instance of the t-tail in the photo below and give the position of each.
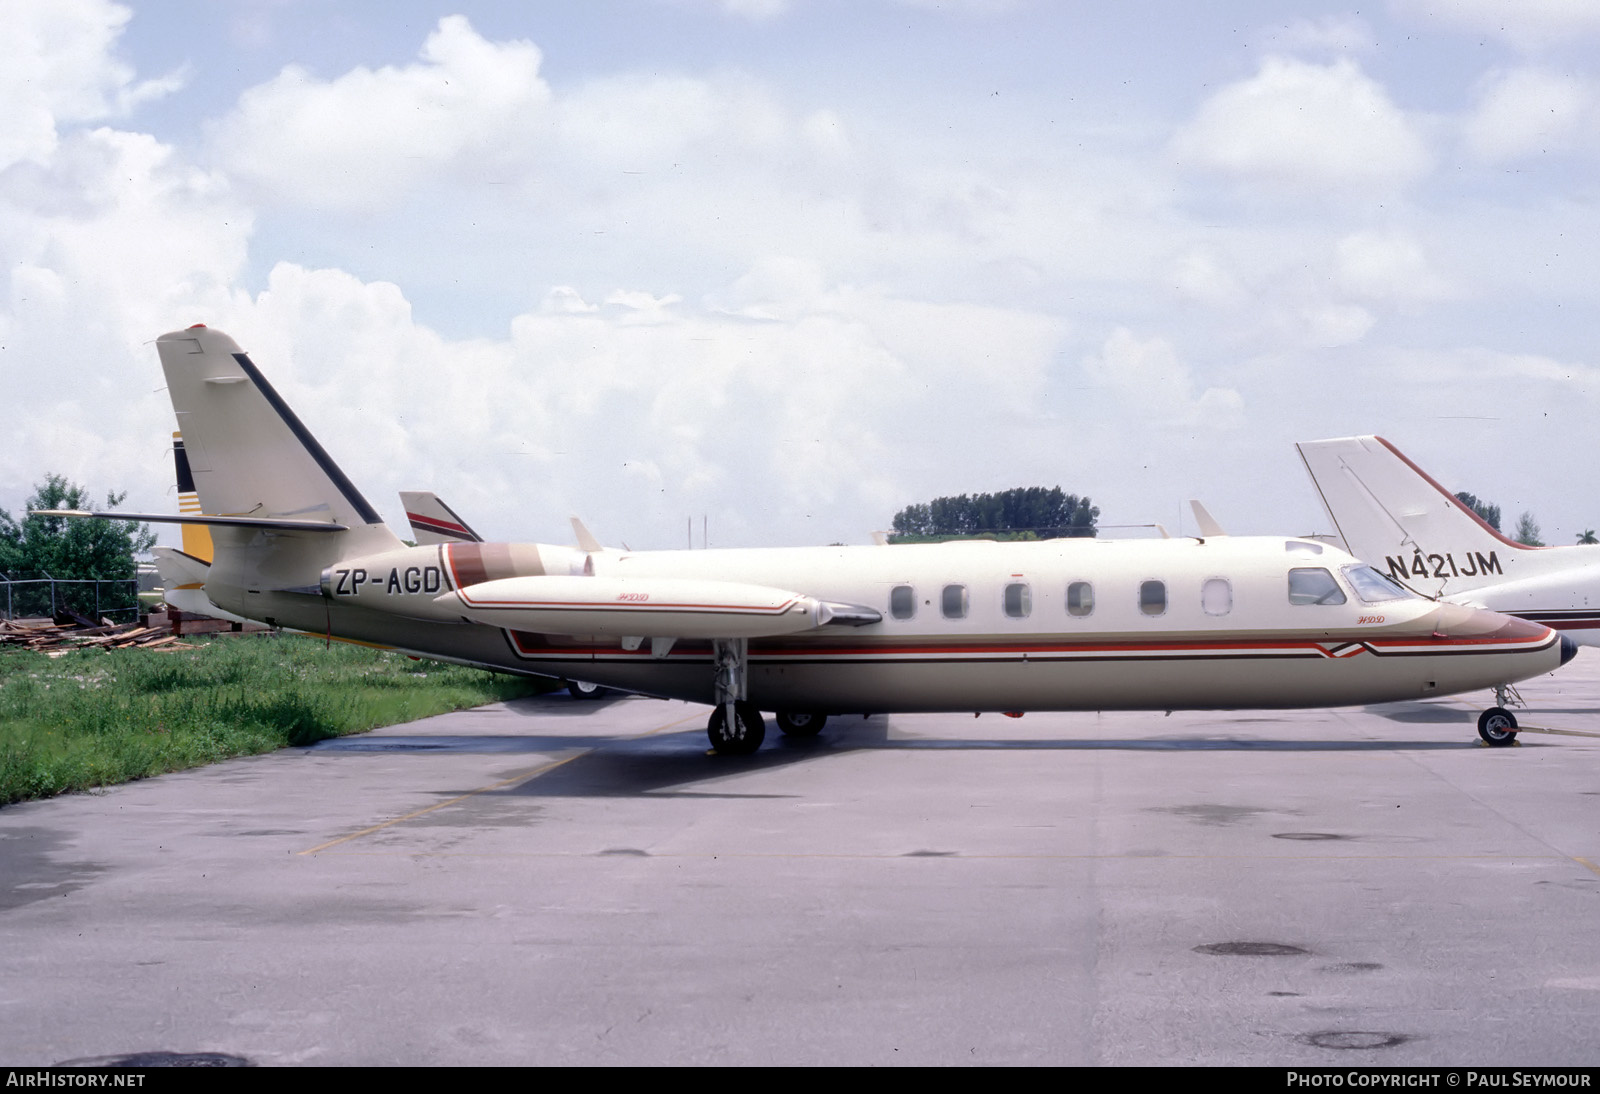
(279, 509)
(1395, 516)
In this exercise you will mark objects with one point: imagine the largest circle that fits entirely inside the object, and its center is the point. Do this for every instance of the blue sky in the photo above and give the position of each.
(792, 265)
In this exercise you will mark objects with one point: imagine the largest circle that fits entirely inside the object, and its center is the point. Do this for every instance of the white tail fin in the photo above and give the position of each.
(1392, 514)
(586, 540)
(249, 453)
(432, 521)
(1207, 524)
(279, 508)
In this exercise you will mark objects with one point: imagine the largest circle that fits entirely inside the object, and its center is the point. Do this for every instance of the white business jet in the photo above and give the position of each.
(1068, 624)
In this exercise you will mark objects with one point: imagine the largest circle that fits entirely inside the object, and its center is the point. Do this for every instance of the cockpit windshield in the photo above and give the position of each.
(1374, 587)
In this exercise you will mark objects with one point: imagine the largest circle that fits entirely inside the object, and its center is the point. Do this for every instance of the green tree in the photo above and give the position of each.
(1490, 513)
(72, 549)
(1587, 536)
(1032, 512)
(1528, 530)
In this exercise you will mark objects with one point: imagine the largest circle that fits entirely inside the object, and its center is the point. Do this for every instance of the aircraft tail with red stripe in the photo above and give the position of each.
(432, 521)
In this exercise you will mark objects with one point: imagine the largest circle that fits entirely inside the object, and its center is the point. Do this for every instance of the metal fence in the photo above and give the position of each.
(49, 596)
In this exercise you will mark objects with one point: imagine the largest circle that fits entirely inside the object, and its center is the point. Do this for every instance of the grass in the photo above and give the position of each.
(93, 717)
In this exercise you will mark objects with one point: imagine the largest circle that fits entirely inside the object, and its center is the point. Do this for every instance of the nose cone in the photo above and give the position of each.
(1460, 621)
(1569, 649)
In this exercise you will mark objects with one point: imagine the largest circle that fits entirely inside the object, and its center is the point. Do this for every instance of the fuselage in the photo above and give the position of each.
(1228, 622)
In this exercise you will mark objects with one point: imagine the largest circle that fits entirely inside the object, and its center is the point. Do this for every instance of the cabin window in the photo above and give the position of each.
(1216, 596)
(953, 602)
(1314, 585)
(1080, 599)
(1018, 600)
(1153, 597)
(902, 602)
(1375, 587)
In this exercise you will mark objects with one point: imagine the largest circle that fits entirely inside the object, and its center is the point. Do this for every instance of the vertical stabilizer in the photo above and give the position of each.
(249, 454)
(432, 521)
(251, 458)
(1209, 528)
(1393, 515)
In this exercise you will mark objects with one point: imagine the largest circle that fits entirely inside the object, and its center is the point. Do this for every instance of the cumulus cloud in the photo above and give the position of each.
(368, 136)
(1331, 325)
(1387, 266)
(1306, 126)
(61, 68)
(109, 242)
(1201, 277)
(636, 409)
(1334, 33)
(1157, 387)
(476, 118)
(635, 118)
(1529, 112)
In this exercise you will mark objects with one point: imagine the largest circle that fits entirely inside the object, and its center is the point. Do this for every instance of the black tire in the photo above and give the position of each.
(582, 689)
(1498, 727)
(800, 723)
(744, 737)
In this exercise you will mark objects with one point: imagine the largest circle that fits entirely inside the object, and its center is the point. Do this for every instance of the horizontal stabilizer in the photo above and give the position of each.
(648, 608)
(281, 524)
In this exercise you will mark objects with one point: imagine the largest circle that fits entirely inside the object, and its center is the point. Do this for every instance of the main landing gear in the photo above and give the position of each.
(1497, 725)
(800, 723)
(737, 736)
(582, 689)
(736, 727)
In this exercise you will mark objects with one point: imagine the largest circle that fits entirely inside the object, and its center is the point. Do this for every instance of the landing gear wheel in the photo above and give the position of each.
(741, 738)
(1497, 727)
(800, 723)
(582, 689)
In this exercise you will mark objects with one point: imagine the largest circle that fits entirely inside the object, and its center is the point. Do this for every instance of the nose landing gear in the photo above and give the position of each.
(1497, 725)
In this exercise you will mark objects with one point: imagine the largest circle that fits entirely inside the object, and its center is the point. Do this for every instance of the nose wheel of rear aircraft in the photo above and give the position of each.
(1497, 727)
(740, 737)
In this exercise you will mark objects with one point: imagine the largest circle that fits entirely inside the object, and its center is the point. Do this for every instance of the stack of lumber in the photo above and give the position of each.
(73, 632)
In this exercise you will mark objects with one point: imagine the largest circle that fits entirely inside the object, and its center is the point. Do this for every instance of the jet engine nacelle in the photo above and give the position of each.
(404, 582)
(646, 607)
(409, 581)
